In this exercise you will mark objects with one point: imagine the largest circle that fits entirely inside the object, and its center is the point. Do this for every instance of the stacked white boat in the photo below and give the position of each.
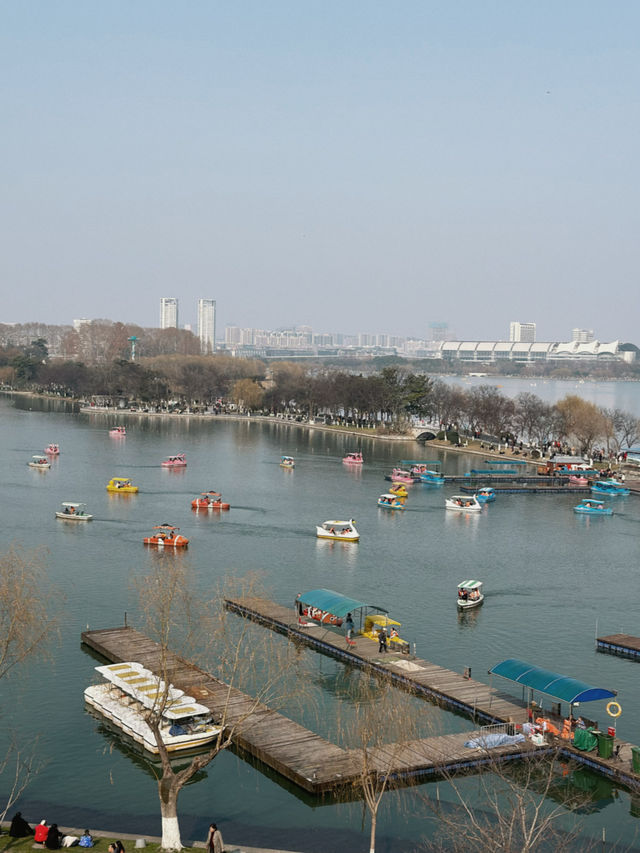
(131, 693)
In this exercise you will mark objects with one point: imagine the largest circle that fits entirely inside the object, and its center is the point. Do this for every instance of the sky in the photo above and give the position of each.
(352, 165)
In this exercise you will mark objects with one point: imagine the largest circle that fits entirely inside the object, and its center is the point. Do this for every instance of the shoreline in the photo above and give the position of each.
(472, 446)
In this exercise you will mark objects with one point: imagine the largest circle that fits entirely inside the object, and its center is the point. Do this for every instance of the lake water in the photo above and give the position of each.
(609, 395)
(552, 579)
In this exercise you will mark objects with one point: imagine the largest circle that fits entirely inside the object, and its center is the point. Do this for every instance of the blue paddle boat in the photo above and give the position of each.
(609, 487)
(486, 494)
(591, 506)
(433, 478)
(389, 501)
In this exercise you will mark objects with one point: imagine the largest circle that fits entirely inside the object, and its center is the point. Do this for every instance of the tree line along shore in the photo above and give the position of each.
(387, 402)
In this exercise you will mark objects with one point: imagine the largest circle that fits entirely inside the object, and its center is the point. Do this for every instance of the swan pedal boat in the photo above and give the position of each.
(389, 501)
(287, 462)
(463, 503)
(354, 458)
(591, 506)
(73, 511)
(52, 450)
(39, 461)
(121, 485)
(609, 487)
(131, 692)
(177, 461)
(344, 531)
(209, 500)
(470, 594)
(578, 481)
(118, 432)
(166, 537)
(486, 495)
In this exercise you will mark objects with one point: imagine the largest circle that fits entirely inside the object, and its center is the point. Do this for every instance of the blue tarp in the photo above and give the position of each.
(490, 741)
(334, 602)
(552, 683)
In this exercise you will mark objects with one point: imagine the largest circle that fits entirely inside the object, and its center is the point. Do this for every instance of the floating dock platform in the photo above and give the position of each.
(622, 645)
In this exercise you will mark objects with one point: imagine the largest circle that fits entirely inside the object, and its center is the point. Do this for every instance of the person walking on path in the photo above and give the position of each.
(214, 840)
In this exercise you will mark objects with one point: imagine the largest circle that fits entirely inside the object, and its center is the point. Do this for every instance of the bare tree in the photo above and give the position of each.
(379, 724)
(27, 622)
(522, 807)
(204, 631)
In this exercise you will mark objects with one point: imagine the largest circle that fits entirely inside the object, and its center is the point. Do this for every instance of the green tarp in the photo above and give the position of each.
(585, 740)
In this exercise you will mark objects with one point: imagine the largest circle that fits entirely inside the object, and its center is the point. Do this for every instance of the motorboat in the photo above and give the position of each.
(287, 462)
(122, 486)
(209, 500)
(609, 487)
(39, 461)
(389, 501)
(353, 458)
(592, 506)
(118, 432)
(177, 461)
(399, 490)
(432, 478)
(73, 511)
(463, 503)
(486, 494)
(131, 692)
(167, 536)
(343, 531)
(52, 450)
(470, 594)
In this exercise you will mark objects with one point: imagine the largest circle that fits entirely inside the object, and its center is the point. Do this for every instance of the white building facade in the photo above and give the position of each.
(522, 333)
(168, 312)
(207, 325)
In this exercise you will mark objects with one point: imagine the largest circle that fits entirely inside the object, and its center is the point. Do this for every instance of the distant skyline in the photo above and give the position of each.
(358, 166)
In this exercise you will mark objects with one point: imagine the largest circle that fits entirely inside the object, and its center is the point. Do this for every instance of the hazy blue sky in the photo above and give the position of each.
(351, 165)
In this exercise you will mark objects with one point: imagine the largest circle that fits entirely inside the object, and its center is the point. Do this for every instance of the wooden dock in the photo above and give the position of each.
(623, 645)
(310, 761)
(534, 489)
(422, 678)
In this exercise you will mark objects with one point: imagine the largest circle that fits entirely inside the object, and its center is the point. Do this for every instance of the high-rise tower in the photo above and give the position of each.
(207, 325)
(168, 312)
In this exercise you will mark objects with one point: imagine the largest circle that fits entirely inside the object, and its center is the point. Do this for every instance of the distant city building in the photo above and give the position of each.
(522, 333)
(78, 324)
(491, 352)
(582, 336)
(438, 331)
(207, 325)
(168, 312)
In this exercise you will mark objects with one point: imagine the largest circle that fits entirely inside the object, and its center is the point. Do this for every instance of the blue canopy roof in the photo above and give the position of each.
(334, 602)
(559, 686)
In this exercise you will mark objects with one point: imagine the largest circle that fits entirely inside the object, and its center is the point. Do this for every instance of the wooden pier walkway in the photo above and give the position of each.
(310, 761)
(623, 645)
(449, 689)
(515, 488)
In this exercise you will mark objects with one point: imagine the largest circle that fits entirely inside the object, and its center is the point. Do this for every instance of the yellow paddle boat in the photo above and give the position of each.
(121, 486)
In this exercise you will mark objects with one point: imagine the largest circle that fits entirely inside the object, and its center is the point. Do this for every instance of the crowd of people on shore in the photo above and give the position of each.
(52, 839)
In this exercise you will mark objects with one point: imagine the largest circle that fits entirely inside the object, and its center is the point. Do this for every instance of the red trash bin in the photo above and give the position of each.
(611, 731)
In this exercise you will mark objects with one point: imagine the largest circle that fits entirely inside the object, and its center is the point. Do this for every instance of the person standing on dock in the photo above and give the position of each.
(382, 640)
(349, 626)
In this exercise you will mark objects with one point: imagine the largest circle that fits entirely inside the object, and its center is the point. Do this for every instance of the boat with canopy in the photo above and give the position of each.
(463, 503)
(287, 462)
(131, 694)
(166, 537)
(470, 594)
(40, 462)
(389, 501)
(121, 485)
(592, 506)
(73, 511)
(209, 500)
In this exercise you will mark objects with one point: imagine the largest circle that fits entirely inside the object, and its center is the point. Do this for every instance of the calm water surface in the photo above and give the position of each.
(552, 579)
(609, 395)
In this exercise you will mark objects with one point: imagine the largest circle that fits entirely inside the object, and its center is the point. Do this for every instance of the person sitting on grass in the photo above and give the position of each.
(19, 827)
